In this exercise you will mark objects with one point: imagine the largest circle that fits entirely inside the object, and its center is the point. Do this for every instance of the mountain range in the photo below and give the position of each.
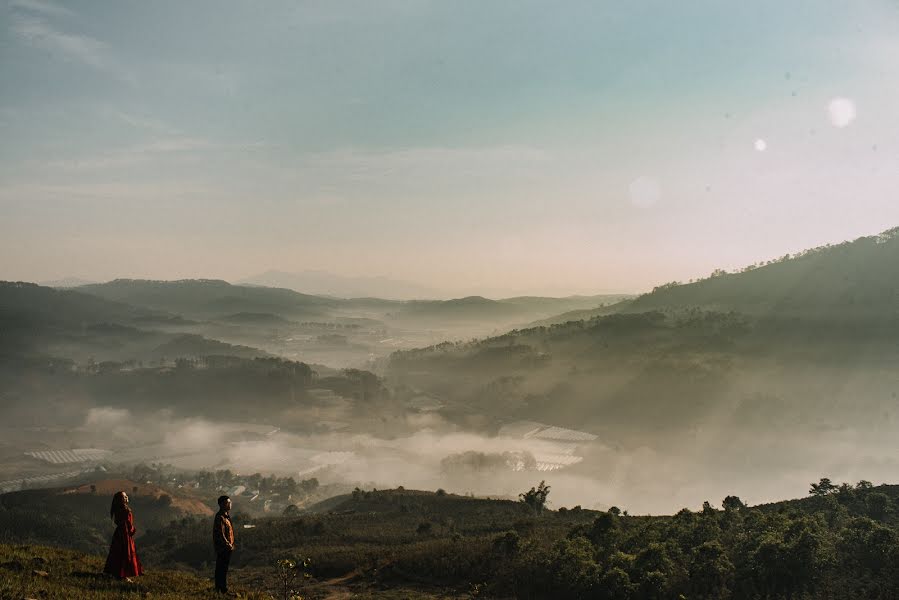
(324, 283)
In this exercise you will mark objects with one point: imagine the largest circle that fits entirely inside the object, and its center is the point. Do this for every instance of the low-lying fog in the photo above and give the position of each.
(705, 466)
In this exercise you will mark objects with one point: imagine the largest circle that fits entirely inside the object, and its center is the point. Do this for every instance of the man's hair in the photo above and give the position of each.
(222, 500)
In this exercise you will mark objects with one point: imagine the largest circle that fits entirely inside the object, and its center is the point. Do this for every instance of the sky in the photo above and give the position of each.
(497, 147)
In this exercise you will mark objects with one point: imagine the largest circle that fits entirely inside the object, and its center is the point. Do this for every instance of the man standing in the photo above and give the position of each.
(223, 538)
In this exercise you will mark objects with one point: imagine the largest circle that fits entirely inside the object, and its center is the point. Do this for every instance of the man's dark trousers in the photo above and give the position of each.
(222, 559)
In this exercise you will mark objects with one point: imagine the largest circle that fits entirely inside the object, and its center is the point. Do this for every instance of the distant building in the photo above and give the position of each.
(553, 447)
(77, 455)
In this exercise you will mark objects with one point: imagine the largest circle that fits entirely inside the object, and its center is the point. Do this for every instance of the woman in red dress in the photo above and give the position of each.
(122, 561)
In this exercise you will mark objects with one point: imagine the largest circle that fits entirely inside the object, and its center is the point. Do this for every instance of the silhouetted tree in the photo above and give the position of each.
(536, 497)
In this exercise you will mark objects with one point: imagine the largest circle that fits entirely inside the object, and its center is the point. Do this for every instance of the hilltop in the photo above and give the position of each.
(850, 280)
(839, 543)
(78, 516)
(207, 298)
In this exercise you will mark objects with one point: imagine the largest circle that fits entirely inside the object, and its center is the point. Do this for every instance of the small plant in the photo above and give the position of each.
(288, 572)
(424, 528)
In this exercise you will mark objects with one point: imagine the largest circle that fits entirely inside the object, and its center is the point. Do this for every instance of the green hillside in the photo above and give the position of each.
(40, 321)
(851, 280)
(803, 340)
(585, 314)
(28, 305)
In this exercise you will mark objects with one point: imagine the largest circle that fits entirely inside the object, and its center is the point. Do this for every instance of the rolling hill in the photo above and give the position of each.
(207, 298)
(851, 280)
(840, 543)
(266, 309)
(38, 320)
(29, 304)
(502, 313)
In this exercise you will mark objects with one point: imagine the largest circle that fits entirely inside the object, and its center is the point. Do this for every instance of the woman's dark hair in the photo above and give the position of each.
(222, 500)
(119, 505)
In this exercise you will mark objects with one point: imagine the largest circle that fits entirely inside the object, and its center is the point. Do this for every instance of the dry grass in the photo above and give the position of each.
(45, 573)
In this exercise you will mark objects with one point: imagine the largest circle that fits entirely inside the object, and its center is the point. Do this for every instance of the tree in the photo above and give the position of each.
(877, 505)
(604, 533)
(535, 497)
(367, 386)
(824, 487)
(573, 572)
(732, 503)
(711, 571)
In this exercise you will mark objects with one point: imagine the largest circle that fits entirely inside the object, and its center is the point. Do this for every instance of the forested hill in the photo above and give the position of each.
(24, 304)
(71, 325)
(209, 299)
(204, 298)
(857, 280)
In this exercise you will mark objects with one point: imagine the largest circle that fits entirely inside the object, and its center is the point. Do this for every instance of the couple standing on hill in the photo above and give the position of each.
(122, 561)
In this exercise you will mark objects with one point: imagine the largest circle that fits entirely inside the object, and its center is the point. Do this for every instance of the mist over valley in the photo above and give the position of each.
(449, 300)
(693, 391)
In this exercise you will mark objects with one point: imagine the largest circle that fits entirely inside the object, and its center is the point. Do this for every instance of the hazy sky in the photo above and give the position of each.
(513, 147)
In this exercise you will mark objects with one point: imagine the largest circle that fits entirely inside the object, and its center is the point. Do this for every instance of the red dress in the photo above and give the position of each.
(122, 560)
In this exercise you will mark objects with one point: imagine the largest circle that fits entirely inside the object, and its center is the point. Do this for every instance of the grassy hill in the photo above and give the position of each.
(54, 573)
(841, 543)
(391, 544)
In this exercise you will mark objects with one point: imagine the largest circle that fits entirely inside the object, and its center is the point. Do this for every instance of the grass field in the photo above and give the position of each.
(43, 572)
